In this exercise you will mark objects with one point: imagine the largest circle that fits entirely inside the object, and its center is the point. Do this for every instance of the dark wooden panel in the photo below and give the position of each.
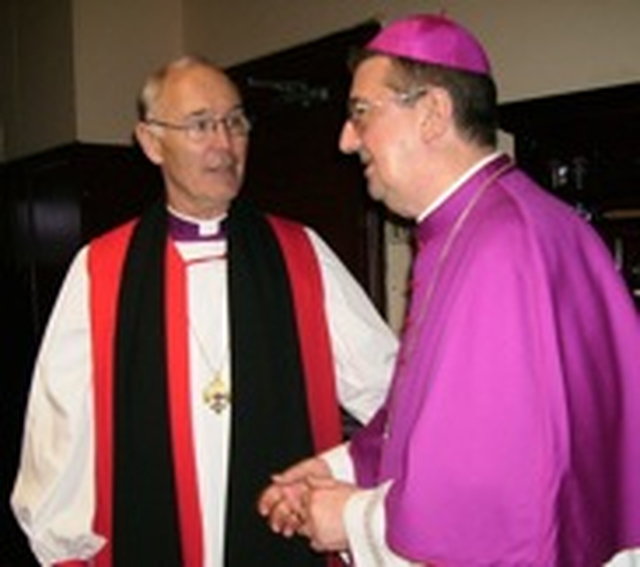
(585, 148)
(50, 204)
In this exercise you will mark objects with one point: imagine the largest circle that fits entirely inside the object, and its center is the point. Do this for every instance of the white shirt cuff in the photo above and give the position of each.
(340, 463)
(364, 519)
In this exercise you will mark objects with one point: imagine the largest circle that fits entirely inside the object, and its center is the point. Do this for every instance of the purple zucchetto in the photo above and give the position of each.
(428, 38)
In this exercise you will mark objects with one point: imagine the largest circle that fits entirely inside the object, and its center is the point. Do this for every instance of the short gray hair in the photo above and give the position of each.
(150, 92)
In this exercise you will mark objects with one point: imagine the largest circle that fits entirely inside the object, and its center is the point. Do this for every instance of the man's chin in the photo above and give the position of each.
(229, 188)
(376, 192)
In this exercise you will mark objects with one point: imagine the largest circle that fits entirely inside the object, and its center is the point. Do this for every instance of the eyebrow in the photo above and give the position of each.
(356, 99)
(204, 112)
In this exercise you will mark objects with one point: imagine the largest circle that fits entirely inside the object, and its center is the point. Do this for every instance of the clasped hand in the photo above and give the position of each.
(306, 500)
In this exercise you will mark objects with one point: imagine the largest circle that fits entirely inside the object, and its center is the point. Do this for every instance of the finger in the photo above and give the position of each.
(269, 499)
(295, 473)
(316, 482)
(275, 496)
(292, 524)
(285, 520)
(316, 545)
(298, 472)
(304, 528)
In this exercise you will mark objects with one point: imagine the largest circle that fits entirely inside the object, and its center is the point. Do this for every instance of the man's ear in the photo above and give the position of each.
(437, 113)
(149, 142)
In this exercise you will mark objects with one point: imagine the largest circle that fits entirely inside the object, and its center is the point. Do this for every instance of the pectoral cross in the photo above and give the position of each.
(216, 394)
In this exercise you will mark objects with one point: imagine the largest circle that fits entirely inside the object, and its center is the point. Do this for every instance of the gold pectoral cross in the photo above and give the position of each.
(216, 394)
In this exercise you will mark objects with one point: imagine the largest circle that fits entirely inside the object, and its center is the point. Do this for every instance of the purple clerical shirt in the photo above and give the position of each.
(512, 429)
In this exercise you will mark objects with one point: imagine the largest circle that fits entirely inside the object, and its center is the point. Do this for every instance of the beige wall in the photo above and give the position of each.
(117, 43)
(242, 29)
(36, 76)
(69, 69)
(537, 46)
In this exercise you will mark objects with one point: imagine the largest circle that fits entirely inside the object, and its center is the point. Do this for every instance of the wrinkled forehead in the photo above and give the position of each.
(196, 89)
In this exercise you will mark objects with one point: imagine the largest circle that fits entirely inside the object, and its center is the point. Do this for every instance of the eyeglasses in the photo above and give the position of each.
(197, 128)
(359, 109)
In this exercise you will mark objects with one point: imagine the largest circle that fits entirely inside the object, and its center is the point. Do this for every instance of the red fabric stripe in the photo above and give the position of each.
(317, 358)
(106, 257)
(180, 411)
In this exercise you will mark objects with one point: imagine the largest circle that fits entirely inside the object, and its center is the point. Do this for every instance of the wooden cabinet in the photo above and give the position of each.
(585, 148)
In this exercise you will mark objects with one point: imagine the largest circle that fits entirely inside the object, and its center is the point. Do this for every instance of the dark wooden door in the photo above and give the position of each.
(297, 99)
(50, 204)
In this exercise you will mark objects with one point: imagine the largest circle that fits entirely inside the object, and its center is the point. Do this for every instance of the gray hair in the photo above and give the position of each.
(152, 88)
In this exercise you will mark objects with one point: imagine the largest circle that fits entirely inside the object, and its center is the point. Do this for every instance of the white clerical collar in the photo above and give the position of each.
(457, 184)
(206, 227)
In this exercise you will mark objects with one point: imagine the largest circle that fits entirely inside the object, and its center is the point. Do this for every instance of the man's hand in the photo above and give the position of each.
(323, 513)
(283, 502)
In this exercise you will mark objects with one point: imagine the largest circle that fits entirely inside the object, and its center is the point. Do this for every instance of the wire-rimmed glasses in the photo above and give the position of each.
(198, 127)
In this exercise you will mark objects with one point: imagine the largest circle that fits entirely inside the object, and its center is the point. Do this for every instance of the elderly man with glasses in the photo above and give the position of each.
(191, 352)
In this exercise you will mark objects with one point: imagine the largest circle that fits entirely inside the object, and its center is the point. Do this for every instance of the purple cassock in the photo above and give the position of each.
(512, 429)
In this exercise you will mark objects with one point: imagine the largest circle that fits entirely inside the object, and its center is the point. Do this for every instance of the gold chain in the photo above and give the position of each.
(216, 393)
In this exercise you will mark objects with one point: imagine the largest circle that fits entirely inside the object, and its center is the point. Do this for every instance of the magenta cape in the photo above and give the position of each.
(512, 430)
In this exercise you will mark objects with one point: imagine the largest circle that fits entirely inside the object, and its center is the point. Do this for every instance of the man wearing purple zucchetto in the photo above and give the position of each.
(511, 432)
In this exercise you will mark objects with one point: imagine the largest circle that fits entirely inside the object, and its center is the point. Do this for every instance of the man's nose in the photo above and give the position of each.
(219, 135)
(349, 139)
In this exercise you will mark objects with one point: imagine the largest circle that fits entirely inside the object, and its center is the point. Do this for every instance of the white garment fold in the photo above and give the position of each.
(53, 497)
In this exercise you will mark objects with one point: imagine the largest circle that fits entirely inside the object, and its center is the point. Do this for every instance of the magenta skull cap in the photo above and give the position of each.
(429, 38)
